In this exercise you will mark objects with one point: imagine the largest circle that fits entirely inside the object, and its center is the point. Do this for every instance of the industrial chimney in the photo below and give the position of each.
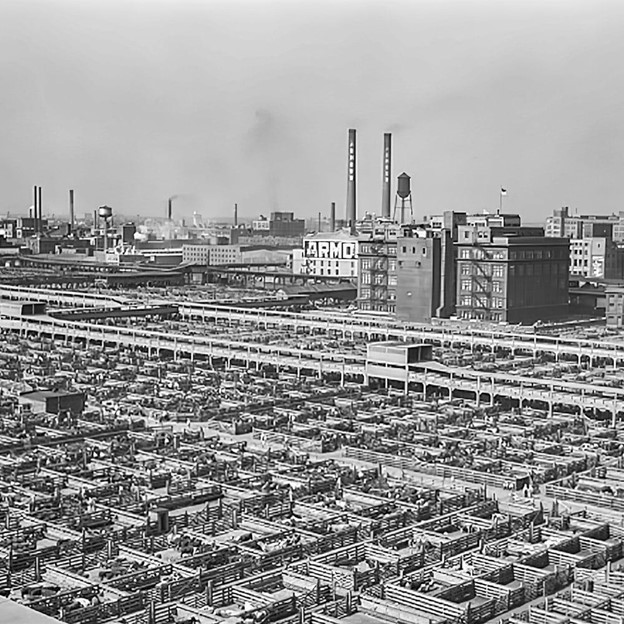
(351, 183)
(72, 217)
(39, 212)
(332, 217)
(235, 215)
(35, 203)
(169, 208)
(386, 179)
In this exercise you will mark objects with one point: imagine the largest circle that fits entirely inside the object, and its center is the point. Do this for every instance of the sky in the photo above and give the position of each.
(250, 101)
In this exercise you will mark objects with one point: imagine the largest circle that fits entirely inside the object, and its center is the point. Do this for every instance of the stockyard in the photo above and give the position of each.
(171, 455)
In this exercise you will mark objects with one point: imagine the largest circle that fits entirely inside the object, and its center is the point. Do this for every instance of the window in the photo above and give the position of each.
(465, 269)
(392, 265)
(498, 302)
(466, 300)
(497, 287)
(404, 249)
(466, 284)
(497, 270)
(366, 277)
(366, 264)
(465, 253)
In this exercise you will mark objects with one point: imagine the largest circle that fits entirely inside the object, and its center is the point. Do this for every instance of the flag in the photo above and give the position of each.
(503, 191)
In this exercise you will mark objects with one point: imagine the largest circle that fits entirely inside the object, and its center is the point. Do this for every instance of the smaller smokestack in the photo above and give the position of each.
(35, 203)
(39, 211)
(95, 221)
(169, 209)
(319, 221)
(235, 215)
(332, 217)
(72, 218)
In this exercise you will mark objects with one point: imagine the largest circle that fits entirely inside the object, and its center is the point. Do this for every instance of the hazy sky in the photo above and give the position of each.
(250, 101)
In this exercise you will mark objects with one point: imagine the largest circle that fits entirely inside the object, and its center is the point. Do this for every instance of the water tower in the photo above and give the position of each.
(403, 199)
(105, 213)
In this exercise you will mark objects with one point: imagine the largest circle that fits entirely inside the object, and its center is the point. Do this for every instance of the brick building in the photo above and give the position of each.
(514, 274)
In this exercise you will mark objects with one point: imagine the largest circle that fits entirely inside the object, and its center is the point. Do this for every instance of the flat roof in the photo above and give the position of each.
(15, 613)
(47, 394)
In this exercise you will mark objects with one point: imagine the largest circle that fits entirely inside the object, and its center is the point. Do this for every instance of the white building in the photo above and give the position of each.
(213, 255)
(331, 254)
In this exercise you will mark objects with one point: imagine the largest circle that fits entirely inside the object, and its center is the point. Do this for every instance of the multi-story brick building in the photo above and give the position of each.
(596, 257)
(512, 274)
(377, 265)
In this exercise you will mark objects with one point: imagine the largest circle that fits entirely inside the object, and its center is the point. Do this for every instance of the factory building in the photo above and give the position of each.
(214, 255)
(596, 257)
(327, 254)
(563, 224)
(425, 275)
(516, 274)
(377, 265)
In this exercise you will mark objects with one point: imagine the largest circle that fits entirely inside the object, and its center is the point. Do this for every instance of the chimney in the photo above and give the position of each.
(386, 179)
(39, 211)
(332, 217)
(72, 218)
(235, 215)
(351, 182)
(319, 222)
(169, 209)
(95, 221)
(35, 202)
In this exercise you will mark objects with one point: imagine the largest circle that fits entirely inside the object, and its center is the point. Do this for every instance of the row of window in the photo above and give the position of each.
(476, 301)
(384, 250)
(476, 253)
(469, 285)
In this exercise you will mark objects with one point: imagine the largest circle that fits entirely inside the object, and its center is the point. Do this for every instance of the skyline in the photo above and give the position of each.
(250, 102)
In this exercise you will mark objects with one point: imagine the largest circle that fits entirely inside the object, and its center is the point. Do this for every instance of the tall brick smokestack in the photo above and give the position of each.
(38, 227)
(387, 176)
(332, 217)
(72, 216)
(351, 182)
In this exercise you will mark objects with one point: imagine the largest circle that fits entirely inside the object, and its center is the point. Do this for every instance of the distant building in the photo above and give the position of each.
(614, 306)
(327, 254)
(563, 224)
(213, 255)
(512, 274)
(596, 257)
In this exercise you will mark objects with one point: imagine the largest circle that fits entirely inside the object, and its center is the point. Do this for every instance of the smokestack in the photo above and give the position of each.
(169, 208)
(235, 215)
(351, 182)
(35, 202)
(95, 221)
(71, 209)
(332, 217)
(39, 211)
(319, 222)
(386, 179)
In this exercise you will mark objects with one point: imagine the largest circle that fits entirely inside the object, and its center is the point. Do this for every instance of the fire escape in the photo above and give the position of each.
(379, 263)
(481, 280)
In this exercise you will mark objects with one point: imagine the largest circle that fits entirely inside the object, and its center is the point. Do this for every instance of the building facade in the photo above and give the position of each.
(614, 306)
(514, 275)
(597, 257)
(213, 255)
(328, 254)
(425, 275)
(377, 265)
(563, 224)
